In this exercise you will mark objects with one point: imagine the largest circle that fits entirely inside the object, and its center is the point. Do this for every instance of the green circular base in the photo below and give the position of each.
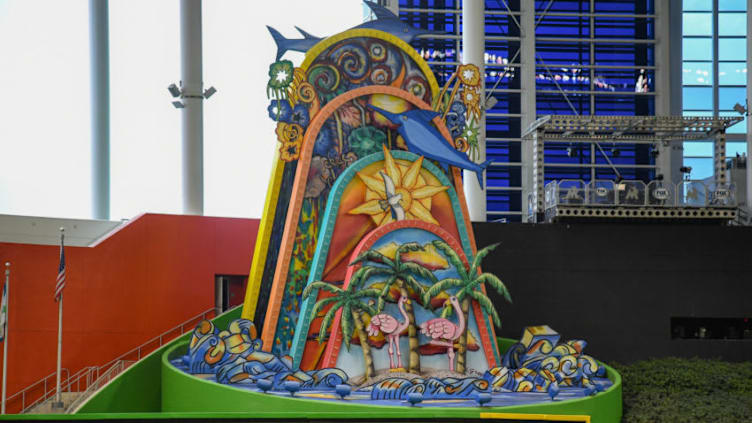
(184, 393)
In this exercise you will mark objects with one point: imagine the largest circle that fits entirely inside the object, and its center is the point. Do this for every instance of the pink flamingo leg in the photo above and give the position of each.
(450, 353)
(399, 354)
(391, 350)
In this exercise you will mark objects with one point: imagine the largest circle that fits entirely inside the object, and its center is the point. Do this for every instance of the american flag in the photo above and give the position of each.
(60, 272)
(4, 312)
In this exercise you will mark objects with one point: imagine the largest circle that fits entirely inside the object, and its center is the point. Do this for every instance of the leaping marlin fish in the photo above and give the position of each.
(423, 139)
(385, 21)
(300, 44)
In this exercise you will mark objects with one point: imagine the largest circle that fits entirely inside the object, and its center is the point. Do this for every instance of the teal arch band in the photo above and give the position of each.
(327, 229)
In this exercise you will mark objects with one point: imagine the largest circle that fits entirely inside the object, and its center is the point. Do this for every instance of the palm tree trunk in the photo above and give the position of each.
(413, 365)
(367, 357)
(462, 350)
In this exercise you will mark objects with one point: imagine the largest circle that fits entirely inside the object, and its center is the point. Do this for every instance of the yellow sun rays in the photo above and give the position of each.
(416, 193)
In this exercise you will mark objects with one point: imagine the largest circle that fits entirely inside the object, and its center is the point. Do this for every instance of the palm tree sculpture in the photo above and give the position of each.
(469, 283)
(401, 274)
(350, 301)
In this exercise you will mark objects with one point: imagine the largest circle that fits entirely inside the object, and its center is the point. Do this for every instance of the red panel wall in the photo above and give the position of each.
(151, 275)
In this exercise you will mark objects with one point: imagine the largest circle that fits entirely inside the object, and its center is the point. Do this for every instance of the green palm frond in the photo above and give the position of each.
(479, 256)
(410, 246)
(471, 286)
(416, 286)
(385, 291)
(368, 292)
(365, 307)
(326, 322)
(365, 273)
(439, 286)
(419, 270)
(326, 286)
(487, 306)
(452, 257)
(347, 325)
(321, 304)
(496, 284)
(373, 255)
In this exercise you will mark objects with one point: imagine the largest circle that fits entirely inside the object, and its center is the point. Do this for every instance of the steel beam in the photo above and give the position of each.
(527, 96)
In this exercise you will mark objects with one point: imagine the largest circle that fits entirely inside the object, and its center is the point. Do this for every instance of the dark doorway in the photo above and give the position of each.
(229, 291)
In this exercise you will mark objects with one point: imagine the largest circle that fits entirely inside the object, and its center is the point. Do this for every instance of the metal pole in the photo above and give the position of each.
(749, 95)
(193, 112)
(59, 396)
(473, 49)
(99, 51)
(5, 334)
(527, 95)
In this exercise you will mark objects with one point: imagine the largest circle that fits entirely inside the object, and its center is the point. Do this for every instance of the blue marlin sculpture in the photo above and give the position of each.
(299, 44)
(385, 21)
(423, 139)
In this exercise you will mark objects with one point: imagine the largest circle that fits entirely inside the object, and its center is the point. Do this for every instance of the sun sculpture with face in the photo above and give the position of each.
(416, 193)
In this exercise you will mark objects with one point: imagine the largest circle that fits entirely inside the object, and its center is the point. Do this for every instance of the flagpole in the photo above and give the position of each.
(5, 335)
(59, 397)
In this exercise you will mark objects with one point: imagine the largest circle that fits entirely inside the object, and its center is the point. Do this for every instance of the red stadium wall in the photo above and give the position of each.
(151, 275)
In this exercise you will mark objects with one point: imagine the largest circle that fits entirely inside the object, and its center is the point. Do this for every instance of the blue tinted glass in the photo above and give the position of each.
(698, 149)
(698, 5)
(732, 24)
(697, 73)
(732, 49)
(732, 73)
(701, 168)
(697, 48)
(701, 113)
(697, 98)
(739, 128)
(727, 97)
(724, 5)
(697, 24)
(734, 148)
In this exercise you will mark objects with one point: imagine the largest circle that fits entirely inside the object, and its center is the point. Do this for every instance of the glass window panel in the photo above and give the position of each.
(701, 5)
(734, 148)
(698, 149)
(697, 23)
(732, 24)
(697, 48)
(44, 109)
(727, 97)
(701, 168)
(701, 113)
(732, 73)
(731, 49)
(731, 5)
(739, 128)
(238, 112)
(697, 98)
(145, 128)
(697, 73)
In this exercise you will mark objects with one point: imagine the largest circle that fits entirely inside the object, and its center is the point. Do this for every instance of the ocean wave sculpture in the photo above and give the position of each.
(432, 388)
(234, 356)
(540, 363)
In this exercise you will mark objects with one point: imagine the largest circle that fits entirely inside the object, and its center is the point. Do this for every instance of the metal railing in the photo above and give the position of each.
(604, 193)
(31, 395)
(98, 382)
(156, 342)
(90, 376)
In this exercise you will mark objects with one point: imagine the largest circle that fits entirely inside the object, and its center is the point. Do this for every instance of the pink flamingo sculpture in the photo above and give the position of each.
(441, 329)
(391, 328)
